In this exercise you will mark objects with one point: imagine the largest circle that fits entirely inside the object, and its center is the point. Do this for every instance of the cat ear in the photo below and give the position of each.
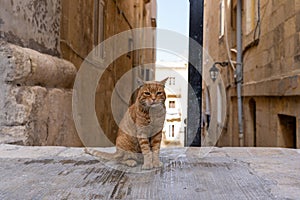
(140, 82)
(163, 82)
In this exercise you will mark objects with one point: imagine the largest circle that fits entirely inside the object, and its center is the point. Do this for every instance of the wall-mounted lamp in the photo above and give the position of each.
(214, 71)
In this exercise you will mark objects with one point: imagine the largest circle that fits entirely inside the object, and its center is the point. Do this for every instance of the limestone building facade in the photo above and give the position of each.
(271, 69)
(43, 44)
(174, 132)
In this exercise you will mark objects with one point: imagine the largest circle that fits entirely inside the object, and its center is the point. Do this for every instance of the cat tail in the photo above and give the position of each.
(107, 156)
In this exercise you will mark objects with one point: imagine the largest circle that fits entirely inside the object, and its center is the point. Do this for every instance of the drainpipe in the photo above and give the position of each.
(239, 70)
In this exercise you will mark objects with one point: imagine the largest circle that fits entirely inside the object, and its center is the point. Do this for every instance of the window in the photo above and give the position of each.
(171, 104)
(219, 105)
(252, 108)
(98, 28)
(171, 80)
(130, 47)
(251, 8)
(222, 18)
(146, 74)
(233, 25)
(147, 78)
(171, 130)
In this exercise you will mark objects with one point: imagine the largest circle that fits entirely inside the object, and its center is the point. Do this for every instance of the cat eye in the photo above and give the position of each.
(147, 93)
(158, 93)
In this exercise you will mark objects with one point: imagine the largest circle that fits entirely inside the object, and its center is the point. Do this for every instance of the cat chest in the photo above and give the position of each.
(154, 125)
(156, 122)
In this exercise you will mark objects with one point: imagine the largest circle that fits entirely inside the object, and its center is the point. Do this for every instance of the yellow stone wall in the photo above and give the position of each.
(270, 69)
(77, 42)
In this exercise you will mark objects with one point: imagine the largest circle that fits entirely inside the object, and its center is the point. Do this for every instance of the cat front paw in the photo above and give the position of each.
(147, 166)
(130, 163)
(157, 164)
(156, 161)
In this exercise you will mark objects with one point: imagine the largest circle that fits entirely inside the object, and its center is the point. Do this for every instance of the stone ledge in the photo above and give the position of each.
(23, 66)
(275, 86)
(284, 86)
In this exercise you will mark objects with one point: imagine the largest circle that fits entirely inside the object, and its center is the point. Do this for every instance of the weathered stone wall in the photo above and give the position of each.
(272, 75)
(267, 120)
(77, 25)
(36, 98)
(270, 69)
(77, 33)
(76, 30)
(32, 23)
(117, 15)
(37, 88)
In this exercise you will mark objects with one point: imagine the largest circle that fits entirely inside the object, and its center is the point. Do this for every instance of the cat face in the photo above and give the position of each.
(152, 93)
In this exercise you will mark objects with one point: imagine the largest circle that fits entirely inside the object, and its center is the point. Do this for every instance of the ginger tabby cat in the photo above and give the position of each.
(140, 130)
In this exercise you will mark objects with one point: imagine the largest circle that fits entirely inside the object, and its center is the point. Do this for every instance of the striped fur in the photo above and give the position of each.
(140, 131)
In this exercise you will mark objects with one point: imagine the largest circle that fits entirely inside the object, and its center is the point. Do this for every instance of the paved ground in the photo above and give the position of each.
(225, 173)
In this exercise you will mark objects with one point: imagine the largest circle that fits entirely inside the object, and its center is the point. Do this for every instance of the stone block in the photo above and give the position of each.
(51, 121)
(13, 135)
(38, 116)
(128, 8)
(289, 46)
(36, 98)
(289, 27)
(289, 8)
(297, 6)
(77, 30)
(297, 43)
(32, 23)
(265, 42)
(278, 16)
(25, 66)
(17, 105)
(278, 33)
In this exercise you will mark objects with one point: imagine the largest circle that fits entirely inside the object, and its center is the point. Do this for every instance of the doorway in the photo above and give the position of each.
(252, 108)
(287, 131)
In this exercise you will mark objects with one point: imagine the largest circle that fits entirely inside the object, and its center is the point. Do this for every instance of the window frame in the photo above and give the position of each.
(221, 18)
(251, 15)
(99, 33)
(173, 103)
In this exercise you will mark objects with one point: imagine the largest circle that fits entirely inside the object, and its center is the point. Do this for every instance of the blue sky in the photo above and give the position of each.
(172, 15)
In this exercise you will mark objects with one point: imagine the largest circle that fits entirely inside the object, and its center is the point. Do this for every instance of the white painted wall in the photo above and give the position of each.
(176, 85)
